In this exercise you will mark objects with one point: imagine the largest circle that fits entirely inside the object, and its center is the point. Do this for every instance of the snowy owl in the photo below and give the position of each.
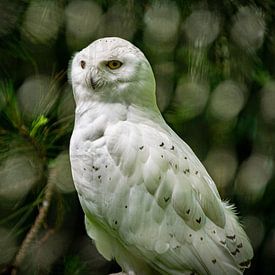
(148, 201)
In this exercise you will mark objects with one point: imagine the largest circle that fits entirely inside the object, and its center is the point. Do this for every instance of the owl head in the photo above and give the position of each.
(112, 70)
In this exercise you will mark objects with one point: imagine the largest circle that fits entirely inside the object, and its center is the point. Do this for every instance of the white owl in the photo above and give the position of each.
(148, 201)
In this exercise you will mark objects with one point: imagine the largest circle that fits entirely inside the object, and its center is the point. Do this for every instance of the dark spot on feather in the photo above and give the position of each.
(231, 237)
(245, 263)
(82, 64)
(99, 176)
(234, 253)
(106, 166)
(166, 199)
(159, 177)
(176, 166)
(201, 238)
(115, 222)
(110, 178)
(186, 171)
(214, 232)
(240, 245)
(171, 235)
(223, 242)
(161, 156)
(196, 172)
(190, 235)
(125, 206)
(214, 261)
(172, 148)
(162, 144)
(141, 147)
(185, 157)
(188, 211)
(95, 168)
(198, 220)
(84, 168)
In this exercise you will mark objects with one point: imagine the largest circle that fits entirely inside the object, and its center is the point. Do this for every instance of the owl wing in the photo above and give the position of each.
(174, 216)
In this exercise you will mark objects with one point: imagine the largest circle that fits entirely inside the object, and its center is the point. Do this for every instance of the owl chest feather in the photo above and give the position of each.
(95, 169)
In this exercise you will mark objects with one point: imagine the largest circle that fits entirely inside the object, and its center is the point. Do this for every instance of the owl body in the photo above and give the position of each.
(148, 201)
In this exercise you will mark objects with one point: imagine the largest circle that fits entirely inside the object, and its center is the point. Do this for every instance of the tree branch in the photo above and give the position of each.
(42, 214)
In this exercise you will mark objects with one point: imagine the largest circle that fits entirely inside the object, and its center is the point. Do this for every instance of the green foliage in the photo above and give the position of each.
(74, 266)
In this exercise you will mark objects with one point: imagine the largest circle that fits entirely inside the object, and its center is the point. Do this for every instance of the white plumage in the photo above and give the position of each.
(148, 201)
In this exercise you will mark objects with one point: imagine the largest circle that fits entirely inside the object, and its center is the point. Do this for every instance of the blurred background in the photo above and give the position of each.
(215, 72)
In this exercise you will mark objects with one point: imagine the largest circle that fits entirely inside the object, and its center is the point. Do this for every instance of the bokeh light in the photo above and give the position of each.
(201, 28)
(164, 72)
(63, 179)
(37, 96)
(18, 173)
(227, 100)
(66, 106)
(191, 98)
(221, 165)
(162, 21)
(119, 20)
(42, 21)
(82, 21)
(248, 28)
(252, 177)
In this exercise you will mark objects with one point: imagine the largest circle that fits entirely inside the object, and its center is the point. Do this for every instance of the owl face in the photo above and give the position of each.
(111, 69)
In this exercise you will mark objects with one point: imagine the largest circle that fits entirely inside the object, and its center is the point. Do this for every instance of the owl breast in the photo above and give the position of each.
(96, 175)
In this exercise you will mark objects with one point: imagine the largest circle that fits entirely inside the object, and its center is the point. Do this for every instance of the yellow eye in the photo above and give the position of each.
(114, 64)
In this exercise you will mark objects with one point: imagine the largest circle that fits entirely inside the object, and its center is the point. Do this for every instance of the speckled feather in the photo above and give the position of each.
(149, 202)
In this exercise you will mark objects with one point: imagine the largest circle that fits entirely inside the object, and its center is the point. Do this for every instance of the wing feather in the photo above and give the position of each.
(173, 203)
(210, 203)
(186, 205)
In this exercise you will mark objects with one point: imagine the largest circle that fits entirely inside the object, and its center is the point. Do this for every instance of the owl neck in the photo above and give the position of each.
(110, 113)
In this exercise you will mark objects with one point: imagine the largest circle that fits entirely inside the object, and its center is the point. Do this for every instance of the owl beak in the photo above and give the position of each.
(92, 78)
(93, 83)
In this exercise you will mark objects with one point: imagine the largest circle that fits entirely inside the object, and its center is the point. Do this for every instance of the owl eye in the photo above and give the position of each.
(82, 64)
(114, 64)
